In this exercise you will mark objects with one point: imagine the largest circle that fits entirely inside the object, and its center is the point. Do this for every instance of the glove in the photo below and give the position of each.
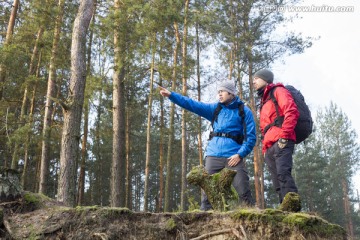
(282, 142)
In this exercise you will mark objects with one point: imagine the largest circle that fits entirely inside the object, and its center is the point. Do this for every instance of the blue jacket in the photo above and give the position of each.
(228, 121)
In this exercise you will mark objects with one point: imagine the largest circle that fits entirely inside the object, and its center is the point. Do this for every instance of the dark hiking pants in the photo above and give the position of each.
(240, 182)
(279, 162)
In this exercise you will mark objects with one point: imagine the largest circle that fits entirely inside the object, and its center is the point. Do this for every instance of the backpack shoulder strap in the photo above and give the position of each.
(273, 98)
(216, 114)
(279, 119)
(242, 115)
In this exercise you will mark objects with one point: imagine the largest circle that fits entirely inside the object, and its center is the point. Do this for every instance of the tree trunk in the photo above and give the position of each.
(72, 113)
(81, 181)
(148, 132)
(44, 167)
(9, 33)
(184, 113)
(199, 93)
(258, 160)
(32, 71)
(99, 160)
(218, 187)
(347, 209)
(161, 155)
(15, 157)
(128, 200)
(117, 183)
(171, 130)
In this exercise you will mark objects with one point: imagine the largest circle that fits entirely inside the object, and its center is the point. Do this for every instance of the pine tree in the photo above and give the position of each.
(341, 151)
(74, 104)
(311, 176)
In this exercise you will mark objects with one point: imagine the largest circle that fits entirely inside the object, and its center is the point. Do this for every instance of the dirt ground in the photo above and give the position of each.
(38, 217)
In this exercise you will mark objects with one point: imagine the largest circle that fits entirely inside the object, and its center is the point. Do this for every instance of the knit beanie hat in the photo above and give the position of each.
(265, 74)
(227, 86)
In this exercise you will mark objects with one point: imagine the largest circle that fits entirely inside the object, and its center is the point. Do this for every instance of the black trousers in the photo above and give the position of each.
(279, 162)
(240, 181)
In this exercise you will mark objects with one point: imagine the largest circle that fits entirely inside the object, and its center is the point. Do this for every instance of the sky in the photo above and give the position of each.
(330, 69)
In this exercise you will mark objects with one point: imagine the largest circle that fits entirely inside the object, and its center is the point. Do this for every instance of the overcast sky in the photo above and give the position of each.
(330, 69)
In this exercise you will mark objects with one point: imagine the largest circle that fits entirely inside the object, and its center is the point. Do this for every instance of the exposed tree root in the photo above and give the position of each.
(102, 236)
(224, 231)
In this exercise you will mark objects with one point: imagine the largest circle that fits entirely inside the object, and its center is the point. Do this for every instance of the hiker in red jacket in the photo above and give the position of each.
(278, 136)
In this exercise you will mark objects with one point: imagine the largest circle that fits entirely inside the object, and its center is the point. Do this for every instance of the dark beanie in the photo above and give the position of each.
(265, 74)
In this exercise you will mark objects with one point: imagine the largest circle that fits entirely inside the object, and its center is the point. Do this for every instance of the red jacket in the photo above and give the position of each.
(287, 108)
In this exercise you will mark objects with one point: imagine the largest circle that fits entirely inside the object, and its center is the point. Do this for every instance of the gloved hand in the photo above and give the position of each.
(282, 142)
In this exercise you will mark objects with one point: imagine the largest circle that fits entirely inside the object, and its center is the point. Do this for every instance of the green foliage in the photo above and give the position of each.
(325, 164)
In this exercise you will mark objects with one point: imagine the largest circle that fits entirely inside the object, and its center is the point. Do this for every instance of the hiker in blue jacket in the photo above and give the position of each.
(228, 145)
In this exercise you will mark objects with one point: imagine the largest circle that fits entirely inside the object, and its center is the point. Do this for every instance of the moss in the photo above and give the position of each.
(193, 204)
(217, 187)
(306, 224)
(33, 201)
(291, 202)
(249, 214)
(310, 224)
(86, 208)
(36, 199)
(216, 176)
(112, 212)
(170, 225)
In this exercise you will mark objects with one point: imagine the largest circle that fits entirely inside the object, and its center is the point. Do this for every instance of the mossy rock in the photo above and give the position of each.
(277, 224)
(218, 187)
(10, 187)
(291, 202)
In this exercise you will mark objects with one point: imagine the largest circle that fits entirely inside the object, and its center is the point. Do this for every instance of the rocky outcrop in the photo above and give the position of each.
(10, 187)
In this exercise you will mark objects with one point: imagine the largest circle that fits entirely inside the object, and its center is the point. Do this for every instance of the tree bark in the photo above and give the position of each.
(81, 181)
(44, 167)
(117, 183)
(128, 200)
(32, 71)
(72, 112)
(184, 112)
(171, 130)
(258, 160)
(347, 209)
(9, 33)
(161, 155)
(200, 151)
(148, 133)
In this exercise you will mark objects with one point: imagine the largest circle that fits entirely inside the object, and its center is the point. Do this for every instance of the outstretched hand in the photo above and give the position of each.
(164, 92)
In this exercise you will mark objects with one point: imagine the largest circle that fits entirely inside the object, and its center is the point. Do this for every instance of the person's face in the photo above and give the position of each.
(259, 83)
(224, 96)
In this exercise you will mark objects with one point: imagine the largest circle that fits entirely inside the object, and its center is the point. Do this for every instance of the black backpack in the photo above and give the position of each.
(304, 125)
(240, 138)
